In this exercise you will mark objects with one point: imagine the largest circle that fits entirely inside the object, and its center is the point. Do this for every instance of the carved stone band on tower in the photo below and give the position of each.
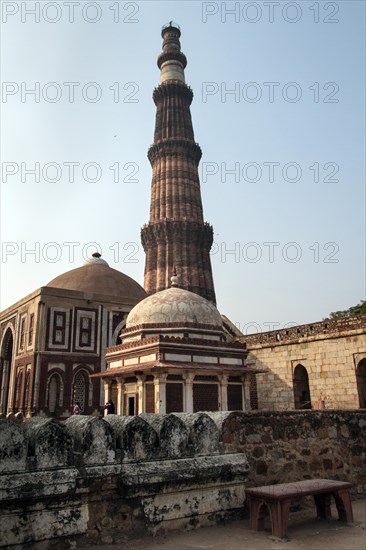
(176, 234)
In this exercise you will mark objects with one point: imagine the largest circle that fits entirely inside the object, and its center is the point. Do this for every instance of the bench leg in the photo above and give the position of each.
(279, 517)
(257, 514)
(344, 505)
(322, 503)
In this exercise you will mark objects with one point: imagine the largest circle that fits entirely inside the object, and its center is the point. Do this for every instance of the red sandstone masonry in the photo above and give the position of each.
(176, 235)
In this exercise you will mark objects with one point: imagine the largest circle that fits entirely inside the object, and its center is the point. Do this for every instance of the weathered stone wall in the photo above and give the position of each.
(98, 481)
(290, 446)
(105, 479)
(330, 351)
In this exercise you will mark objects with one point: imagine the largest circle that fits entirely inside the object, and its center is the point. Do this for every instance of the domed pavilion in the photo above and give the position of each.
(174, 357)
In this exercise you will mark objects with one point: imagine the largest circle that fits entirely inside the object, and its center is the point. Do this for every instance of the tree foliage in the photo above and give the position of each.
(359, 309)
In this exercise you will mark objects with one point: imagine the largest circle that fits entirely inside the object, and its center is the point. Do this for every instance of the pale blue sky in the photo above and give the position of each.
(324, 129)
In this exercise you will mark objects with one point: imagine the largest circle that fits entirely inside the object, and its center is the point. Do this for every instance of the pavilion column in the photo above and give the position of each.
(188, 392)
(160, 393)
(120, 396)
(141, 394)
(246, 392)
(223, 391)
(107, 393)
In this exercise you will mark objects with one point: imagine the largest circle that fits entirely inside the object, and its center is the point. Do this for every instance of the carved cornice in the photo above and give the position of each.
(183, 148)
(174, 55)
(172, 88)
(177, 231)
(161, 339)
(183, 326)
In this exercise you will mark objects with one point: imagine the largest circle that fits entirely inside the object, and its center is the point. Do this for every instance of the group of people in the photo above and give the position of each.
(109, 407)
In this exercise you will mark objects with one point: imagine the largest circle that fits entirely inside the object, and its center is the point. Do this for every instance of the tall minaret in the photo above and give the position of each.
(176, 235)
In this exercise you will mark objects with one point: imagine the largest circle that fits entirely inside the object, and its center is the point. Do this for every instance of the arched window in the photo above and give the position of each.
(361, 383)
(301, 388)
(18, 387)
(53, 392)
(26, 391)
(79, 390)
(5, 368)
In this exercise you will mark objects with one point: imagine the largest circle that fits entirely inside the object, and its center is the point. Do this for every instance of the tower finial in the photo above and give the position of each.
(174, 278)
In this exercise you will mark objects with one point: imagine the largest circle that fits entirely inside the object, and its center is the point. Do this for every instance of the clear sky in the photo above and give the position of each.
(278, 110)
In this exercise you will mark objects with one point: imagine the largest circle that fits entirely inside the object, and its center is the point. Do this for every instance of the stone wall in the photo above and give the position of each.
(290, 446)
(330, 351)
(90, 480)
(106, 479)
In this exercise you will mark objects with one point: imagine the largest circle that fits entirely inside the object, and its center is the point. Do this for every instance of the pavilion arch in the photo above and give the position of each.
(116, 339)
(81, 389)
(301, 387)
(361, 383)
(7, 352)
(55, 392)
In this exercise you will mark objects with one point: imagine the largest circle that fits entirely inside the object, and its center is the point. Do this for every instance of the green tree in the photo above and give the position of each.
(359, 309)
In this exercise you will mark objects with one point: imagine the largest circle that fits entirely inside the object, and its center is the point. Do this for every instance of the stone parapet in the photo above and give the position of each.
(122, 476)
(303, 333)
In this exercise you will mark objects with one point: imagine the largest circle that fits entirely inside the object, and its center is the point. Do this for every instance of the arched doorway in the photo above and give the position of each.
(301, 388)
(5, 368)
(361, 383)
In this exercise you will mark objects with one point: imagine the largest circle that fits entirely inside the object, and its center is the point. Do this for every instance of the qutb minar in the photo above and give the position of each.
(176, 235)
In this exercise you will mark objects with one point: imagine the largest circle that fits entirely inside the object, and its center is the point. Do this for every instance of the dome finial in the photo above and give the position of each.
(174, 278)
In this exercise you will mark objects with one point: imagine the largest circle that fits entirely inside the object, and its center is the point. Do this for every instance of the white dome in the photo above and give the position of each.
(174, 305)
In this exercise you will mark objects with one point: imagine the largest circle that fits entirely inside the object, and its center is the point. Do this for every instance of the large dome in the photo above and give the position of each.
(96, 277)
(174, 305)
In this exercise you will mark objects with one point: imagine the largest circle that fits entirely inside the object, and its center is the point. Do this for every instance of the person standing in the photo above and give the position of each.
(109, 406)
(76, 409)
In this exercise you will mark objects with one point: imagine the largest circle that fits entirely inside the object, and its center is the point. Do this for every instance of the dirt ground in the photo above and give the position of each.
(305, 533)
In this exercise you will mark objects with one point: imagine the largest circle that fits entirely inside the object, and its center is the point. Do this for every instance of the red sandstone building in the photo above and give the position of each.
(55, 338)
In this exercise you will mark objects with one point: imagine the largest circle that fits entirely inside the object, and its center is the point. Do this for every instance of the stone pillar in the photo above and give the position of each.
(188, 393)
(5, 385)
(141, 394)
(119, 403)
(223, 392)
(246, 392)
(160, 393)
(107, 393)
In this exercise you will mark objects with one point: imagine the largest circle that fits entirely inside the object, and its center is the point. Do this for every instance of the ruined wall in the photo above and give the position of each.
(290, 446)
(105, 479)
(330, 351)
(98, 481)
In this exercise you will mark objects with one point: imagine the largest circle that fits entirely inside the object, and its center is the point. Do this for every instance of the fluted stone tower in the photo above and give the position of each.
(176, 235)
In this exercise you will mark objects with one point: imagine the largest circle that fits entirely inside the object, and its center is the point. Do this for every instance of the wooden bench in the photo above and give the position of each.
(278, 499)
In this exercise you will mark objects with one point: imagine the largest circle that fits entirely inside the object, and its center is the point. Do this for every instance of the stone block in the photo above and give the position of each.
(173, 434)
(49, 442)
(134, 436)
(13, 447)
(94, 439)
(203, 433)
